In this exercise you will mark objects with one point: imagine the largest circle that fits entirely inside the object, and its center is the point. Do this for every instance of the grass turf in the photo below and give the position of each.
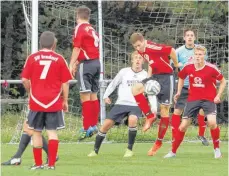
(193, 159)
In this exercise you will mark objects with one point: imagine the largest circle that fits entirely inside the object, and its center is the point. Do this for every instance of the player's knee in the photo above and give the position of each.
(26, 129)
(137, 88)
(132, 121)
(212, 124)
(164, 110)
(183, 128)
(177, 112)
(52, 134)
(201, 112)
(108, 123)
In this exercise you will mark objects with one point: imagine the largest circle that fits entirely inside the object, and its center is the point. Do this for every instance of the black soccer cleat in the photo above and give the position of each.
(203, 140)
(12, 161)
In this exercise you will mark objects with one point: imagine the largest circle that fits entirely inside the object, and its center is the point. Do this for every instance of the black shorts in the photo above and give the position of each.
(167, 87)
(48, 120)
(192, 108)
(119, 112)
(88, 75)
(182, 100)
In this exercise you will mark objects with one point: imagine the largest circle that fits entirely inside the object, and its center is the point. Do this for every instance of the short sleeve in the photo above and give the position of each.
(217, 73)
(65, 73)
(26, 72)
(183, 73)
(77, 38)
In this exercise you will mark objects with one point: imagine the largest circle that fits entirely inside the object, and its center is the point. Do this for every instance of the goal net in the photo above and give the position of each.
(160, 21)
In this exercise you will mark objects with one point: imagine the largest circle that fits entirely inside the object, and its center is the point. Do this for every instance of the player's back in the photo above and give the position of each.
(86, 38)
(46, 71)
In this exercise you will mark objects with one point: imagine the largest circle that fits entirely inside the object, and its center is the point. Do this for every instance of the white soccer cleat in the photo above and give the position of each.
(170, 155)
(128, 153)
(217, 153)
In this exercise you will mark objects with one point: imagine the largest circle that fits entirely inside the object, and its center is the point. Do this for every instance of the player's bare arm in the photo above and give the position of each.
(149, 71)
(179, 88)
(173, 56)
(220, 91)
(73, 63)
(26, 84)
(65, 87)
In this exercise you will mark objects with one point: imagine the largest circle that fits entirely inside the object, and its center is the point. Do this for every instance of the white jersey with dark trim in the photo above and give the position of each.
(125, 79)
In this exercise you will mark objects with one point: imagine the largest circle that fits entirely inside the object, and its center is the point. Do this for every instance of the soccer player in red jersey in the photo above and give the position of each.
(159, 69)
(185, 54)
(85, 57)
(202, 94)
(45, 77)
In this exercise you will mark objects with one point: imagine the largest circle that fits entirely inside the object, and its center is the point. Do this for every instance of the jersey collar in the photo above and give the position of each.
(46, 50)
(197, 69)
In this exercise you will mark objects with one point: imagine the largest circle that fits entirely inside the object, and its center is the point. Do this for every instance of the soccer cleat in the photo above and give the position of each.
(148, 123)
(217, 153)
(203, 140)
(34, 167)
(92, 154)
(47, 161)
(128, 153)
(170, 155)
(12, 161)
(50, 167)
(154, 149)
(82, 135)
(94, 130)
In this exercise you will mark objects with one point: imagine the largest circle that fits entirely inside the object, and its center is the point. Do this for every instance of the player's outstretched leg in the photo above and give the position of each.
(138, 90)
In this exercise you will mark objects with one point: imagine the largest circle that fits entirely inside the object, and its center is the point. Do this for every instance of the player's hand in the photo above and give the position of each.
(65, 106)
(217, 100)
(107, 100)
(176, 97)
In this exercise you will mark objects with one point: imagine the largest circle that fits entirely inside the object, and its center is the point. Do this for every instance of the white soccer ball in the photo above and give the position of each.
(152, 87)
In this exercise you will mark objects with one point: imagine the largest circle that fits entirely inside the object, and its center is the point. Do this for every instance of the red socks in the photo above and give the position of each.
(52, 148)
(143, 105)
(163, 126)
(179, 136)
(37, 153)
(175, 124)
(87, 114)
(202, 125)
(215, 133)
(95, 112)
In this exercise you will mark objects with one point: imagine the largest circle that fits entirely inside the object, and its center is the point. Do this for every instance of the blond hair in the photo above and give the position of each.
(136, 37)
(201, 48)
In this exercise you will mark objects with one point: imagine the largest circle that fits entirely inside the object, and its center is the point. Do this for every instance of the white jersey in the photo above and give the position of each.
(125, 79)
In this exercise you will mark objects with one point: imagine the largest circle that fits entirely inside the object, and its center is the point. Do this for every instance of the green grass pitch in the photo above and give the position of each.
(193, 159)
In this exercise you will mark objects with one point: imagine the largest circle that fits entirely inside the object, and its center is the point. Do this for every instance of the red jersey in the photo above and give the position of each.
(86, 38)
(202, 81)
(157, 56)
(46, 71)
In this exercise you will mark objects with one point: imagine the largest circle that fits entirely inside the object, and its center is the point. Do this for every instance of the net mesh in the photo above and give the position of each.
(161, 21)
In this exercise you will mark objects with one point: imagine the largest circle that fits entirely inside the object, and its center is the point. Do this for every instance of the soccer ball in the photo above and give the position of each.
(152, 87)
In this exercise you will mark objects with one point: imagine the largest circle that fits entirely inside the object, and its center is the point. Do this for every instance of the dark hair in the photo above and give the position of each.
(83, 12)
(190, 29)
(47, 39)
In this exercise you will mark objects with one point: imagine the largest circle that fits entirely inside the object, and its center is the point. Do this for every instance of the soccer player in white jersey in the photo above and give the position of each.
(125, 105)
(185, 54)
